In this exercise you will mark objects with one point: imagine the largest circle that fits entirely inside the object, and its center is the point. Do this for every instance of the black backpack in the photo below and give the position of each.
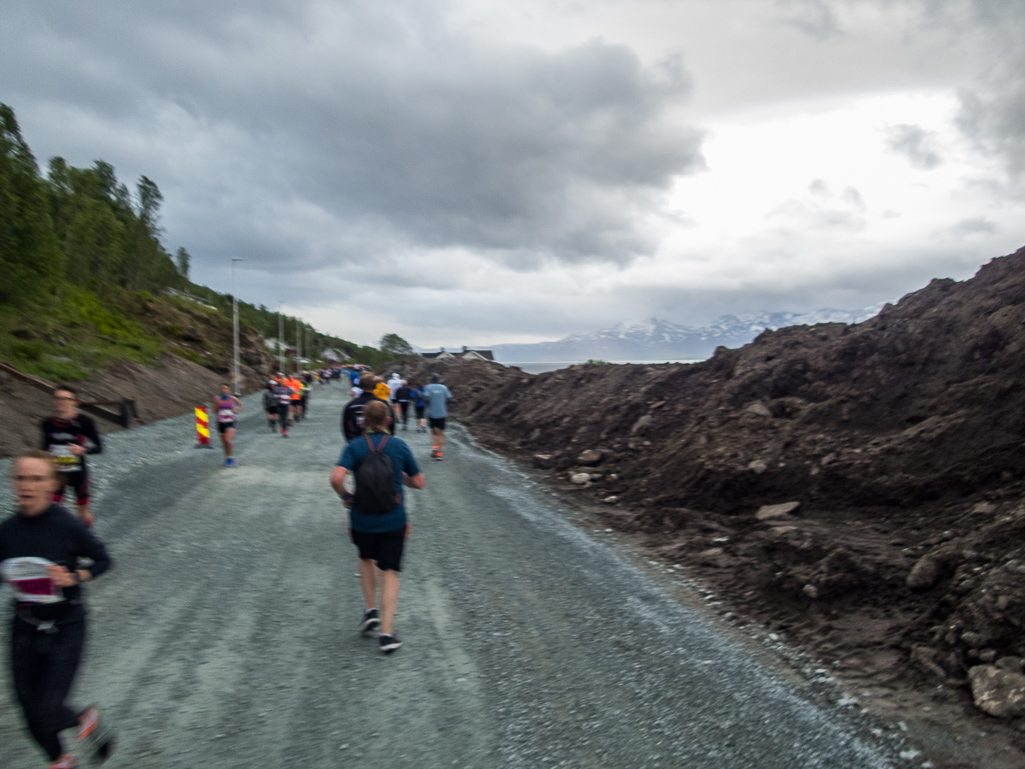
(375, 482)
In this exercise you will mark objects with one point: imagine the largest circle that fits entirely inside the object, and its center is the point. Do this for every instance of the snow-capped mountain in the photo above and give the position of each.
(658, 339)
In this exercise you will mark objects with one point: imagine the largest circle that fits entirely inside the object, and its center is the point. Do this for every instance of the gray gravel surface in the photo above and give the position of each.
(225, 636)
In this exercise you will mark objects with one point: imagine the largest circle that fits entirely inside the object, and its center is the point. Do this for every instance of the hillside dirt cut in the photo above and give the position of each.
(172, 385)
(860, 488)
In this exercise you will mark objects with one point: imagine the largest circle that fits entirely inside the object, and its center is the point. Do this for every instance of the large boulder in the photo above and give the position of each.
(924, 573)
(998, 692)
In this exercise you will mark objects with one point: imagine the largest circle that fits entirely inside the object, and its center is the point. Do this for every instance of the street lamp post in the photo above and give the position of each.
(281, 338)
(298, 346)
(234, 302)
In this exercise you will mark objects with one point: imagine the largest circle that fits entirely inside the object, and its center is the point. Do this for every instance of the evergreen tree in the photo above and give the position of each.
(183, 258)
(395, 345)
(29, 251)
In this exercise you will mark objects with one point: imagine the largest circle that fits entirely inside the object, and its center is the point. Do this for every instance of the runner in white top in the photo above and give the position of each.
(393, 387)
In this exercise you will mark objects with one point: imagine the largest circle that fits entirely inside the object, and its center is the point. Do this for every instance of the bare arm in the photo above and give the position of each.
(414, 482)
(338, 480)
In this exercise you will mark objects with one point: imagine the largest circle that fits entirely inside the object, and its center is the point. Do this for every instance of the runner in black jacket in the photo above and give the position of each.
(40, 550)
(352, 416)
(68, 436)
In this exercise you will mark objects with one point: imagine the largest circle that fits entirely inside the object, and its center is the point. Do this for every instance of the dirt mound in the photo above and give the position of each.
(899, 440)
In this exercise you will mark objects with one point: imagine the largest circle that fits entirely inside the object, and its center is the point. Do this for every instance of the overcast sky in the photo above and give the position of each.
(484, 171)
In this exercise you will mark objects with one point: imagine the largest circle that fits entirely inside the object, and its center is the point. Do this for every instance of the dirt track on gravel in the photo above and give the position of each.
(224, 636)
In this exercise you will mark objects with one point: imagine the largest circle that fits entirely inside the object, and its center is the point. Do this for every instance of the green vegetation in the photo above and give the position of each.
(393, 344)
(596, 362)
(88, 281)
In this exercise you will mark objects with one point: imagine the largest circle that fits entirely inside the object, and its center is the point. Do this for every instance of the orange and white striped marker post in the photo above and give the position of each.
(202, 428)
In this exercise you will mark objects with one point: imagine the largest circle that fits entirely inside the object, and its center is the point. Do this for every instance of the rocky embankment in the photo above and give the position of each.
(861, 488)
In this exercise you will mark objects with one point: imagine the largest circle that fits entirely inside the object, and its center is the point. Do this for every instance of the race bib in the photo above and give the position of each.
(225, 415)
(28, 577)
(66, 461)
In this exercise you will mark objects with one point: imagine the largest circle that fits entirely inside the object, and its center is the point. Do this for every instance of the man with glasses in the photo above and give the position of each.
(68, 436)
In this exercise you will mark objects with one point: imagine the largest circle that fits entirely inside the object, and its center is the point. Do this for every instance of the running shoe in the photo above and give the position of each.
(67, 761)
(229, 462)
(389, 643)
(371, 620)
(88, 722)
(438, 456)
(434, 453)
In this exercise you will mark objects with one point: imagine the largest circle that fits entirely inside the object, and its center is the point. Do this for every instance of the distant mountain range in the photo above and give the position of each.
(658, 340)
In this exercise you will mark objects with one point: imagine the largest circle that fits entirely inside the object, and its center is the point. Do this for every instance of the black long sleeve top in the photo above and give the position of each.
(58, 433)
(61, 538)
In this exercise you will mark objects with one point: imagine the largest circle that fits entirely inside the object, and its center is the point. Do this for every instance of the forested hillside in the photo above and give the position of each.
(87, 280)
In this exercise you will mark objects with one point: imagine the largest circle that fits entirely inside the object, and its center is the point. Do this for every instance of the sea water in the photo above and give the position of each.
(536, 367)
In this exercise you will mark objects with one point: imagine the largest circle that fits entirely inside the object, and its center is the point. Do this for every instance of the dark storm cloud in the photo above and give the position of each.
(370, 118)
(914, 143)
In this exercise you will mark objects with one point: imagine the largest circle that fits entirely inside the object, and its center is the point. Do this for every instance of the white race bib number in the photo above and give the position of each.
(66, 461)
(29, 579)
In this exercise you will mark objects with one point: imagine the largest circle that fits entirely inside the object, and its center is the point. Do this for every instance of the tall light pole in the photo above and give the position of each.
(281, 338)
(298, 346)
(234, 302)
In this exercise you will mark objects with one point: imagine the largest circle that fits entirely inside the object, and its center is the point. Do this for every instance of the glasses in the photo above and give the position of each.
(30, 478)
(63, 398)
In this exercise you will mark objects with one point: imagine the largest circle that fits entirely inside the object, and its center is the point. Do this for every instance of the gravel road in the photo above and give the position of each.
(225, 635)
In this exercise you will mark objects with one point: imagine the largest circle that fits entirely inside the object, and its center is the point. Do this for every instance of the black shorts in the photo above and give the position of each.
(222, 426)
(420, 412)
(383, 547)
(79, 481)
(436, 423)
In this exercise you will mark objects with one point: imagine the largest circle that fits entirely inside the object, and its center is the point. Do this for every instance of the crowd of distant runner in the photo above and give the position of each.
(47, 552)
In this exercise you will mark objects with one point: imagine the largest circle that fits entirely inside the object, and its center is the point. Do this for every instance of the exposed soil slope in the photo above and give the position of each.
(173, 383)
(899, 438)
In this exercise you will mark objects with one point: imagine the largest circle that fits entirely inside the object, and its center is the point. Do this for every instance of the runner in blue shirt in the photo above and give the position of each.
(379, 538)
(437, 396)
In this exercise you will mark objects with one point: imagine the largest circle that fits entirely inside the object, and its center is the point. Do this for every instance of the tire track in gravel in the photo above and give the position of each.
(225, 635)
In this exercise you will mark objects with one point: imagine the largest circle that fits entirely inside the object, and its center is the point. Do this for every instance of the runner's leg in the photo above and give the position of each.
(80, 482)
(389, 599)
(368, 581)
(44, 667)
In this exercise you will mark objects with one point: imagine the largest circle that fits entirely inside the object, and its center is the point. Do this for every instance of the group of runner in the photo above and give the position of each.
(46, 552)
(286, 400)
